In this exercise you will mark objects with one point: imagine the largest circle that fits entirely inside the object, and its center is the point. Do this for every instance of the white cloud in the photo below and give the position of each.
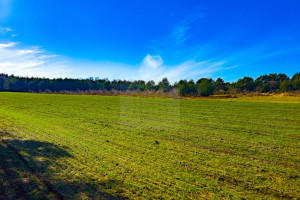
(29, 61)
(5, 29)
(5, 45)
(190, 69)
(193, 70)
(47, 56)
(152, 61)
(37, 62)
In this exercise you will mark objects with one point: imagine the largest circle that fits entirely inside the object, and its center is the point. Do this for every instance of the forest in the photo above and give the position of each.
(272, 83)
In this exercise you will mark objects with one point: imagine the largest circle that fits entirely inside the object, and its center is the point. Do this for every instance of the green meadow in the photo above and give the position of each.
(55, 146)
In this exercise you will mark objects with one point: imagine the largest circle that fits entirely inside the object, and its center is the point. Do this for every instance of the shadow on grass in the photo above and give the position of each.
(24, 166)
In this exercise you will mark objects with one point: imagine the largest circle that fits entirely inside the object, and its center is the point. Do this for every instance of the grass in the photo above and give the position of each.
(274, 98)
(114, 147)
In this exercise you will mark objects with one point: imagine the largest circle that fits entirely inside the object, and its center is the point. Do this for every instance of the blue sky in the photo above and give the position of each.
(149, 40)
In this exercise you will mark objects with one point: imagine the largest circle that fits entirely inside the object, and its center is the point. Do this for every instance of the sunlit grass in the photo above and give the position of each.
(275, 98)
(157, 147)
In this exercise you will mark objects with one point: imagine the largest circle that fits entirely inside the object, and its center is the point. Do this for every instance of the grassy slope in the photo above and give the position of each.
(133, 147)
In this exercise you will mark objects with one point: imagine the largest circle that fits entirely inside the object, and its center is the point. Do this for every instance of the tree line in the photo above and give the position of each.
(272, 83)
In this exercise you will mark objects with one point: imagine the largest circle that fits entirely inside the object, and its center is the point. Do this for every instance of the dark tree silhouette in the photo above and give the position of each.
(203, 87)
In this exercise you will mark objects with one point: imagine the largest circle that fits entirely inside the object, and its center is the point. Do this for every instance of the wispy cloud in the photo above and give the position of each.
(178, 35)
(180, 30)
(5, 29)
(276, 53)
(38, 62)
(35, 61)
(194, 70)
(28, 61)
(190, 69)
(7, 32)
(260, 52)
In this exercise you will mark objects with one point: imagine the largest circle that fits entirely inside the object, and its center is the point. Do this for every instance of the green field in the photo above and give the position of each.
(111, 147)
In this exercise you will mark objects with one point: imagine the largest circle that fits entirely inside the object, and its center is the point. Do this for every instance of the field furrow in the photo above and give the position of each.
(113, 147)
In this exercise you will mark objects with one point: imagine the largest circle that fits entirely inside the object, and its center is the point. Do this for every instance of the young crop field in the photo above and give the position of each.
(115, 147)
